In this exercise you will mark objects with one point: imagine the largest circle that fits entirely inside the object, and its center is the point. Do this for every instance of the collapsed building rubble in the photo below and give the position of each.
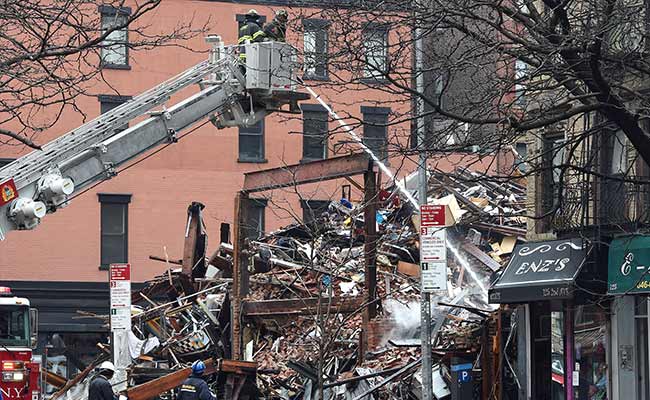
(327, 308)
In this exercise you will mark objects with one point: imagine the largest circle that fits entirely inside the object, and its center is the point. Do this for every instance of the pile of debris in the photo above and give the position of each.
(326, 308)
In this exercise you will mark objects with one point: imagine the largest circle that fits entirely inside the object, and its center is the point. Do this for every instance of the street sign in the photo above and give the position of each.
(433, 244)
(120, 319)
(433, 248)
(120, 292)
(432, 215)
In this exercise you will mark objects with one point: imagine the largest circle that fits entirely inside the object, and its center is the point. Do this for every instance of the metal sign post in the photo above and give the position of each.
(120, 292)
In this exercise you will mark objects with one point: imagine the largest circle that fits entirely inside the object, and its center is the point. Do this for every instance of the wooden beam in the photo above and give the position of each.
(480, 255)
(306, 306)
(299, 174)
(191, 237)
(153, 388)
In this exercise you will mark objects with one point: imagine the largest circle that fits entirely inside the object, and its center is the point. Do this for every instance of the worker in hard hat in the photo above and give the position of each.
(247, 31)
(100, 387)
(276, 30)
(194, 387)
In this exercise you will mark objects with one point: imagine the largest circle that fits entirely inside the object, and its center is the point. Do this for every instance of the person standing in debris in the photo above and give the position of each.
(100, 388)
(276, 30)
(247, 31)
(194, 387)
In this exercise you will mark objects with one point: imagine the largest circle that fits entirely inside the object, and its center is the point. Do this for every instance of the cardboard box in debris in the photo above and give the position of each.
(303, 315)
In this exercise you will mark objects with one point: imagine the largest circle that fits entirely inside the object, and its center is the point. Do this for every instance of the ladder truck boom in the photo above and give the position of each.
(45, 180)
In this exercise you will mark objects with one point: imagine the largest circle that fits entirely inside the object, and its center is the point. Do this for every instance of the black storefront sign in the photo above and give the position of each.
(540, 271)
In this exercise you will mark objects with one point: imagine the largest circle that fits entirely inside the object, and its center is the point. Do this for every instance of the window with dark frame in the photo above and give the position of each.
(108, 102)
(256, 219)
(315, 41)
(522, 153)
(115, 49)
(312, 210)
(521, 70)
(314, 132)
(375, 47)
(375, 129)
(114, 228)
(6, 161)
(553, 157)
(251, 143)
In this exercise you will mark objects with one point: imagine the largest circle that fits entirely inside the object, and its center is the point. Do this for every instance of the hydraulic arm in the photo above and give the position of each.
(45, 180)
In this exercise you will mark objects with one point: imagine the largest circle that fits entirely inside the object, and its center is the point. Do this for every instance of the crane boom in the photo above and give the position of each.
(45, 180)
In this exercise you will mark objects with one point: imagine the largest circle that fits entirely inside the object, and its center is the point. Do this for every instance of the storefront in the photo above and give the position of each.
(629, 282)
(562, 322)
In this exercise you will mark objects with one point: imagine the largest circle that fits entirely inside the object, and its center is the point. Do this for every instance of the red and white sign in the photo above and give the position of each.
(120, 291)
(120, 272)
(433, 248)
(432, 215)
(433, 244)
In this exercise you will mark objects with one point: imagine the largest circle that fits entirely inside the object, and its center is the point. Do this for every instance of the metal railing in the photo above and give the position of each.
(591, 201)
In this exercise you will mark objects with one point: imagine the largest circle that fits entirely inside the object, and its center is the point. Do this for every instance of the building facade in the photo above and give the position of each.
(582, 333)
(62, 265)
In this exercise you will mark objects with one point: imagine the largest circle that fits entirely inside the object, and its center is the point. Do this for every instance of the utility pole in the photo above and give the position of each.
(425, 306)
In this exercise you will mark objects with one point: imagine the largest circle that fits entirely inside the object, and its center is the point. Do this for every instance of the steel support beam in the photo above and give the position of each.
(299, 174)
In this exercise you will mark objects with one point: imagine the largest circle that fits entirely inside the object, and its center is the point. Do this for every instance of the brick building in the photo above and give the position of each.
(61, 265)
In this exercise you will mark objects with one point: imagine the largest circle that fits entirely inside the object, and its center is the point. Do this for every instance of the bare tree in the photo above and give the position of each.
(53, 50)
(499, 73)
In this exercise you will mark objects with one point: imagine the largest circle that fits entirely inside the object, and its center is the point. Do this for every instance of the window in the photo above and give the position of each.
(251, 143)
(590, 346)
(439, 85)
(256, 220)
(375, 130)
(315, 48)
(642, 351)
(520, 75)
(522, 153)
(114, 50)
(375, 44)
(14, 327)
(6, 161)
(619, 153)
(314, 130)
(114, 228)
(108, 102)
(312, 210)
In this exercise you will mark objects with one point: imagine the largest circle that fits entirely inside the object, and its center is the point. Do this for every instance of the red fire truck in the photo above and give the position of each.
(21, 371)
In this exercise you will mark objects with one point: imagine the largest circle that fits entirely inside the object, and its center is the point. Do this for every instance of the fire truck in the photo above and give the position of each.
(21, 370)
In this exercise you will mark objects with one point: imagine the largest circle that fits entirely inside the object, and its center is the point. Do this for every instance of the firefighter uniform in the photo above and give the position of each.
(248, 30)
(275, 31)
(195, 388)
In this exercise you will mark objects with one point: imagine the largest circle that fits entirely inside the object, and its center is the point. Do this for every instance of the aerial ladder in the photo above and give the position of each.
(231, 94)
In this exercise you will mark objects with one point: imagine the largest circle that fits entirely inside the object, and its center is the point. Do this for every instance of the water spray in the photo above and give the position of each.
(393, 178)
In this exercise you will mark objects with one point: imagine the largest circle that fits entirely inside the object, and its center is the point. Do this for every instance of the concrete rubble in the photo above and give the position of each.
(307, 328)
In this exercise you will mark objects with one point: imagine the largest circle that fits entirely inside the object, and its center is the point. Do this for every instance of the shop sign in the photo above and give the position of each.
(629, 265)
(540, 271)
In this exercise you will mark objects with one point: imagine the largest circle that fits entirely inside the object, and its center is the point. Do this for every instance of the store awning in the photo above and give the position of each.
(628, 269)
(540, 271)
